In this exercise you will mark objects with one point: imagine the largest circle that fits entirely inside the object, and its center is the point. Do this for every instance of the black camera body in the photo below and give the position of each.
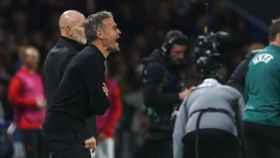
(209, 53)
(207, 49)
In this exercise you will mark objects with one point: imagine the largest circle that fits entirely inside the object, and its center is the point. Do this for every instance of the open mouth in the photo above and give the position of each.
(117, 40)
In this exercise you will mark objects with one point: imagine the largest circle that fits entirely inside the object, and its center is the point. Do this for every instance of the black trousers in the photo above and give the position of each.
(33, 143)
(212, 143)
(65, 145)
(262, 141)
(156, 149)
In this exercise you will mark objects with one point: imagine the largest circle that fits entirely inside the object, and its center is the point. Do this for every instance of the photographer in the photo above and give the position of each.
(162, 92)
(208, 122)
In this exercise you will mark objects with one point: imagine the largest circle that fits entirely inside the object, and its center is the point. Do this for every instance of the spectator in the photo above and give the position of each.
(26, 94)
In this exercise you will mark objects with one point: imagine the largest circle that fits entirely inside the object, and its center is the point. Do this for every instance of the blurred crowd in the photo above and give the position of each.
(143, 24)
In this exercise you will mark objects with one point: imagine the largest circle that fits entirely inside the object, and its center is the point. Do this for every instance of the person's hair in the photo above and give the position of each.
(274, 29)
(25, 48)
(173, 37)
(94, 22)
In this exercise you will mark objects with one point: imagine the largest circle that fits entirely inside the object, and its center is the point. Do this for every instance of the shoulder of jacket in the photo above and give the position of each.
(58, 50)
(258, 51)
(232, 90)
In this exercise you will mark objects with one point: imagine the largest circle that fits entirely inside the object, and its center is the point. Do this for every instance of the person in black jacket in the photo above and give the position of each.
(82, 92)
(162, 92)
(71, 41)
(237, 78)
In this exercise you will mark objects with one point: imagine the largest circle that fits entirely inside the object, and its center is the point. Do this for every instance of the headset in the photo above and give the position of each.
(172, 37)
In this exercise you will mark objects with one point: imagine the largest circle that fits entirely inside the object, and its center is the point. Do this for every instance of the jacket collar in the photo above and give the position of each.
(208, 82)
(72, 43)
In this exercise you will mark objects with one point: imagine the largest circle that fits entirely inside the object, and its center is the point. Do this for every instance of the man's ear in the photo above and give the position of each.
(68, 30)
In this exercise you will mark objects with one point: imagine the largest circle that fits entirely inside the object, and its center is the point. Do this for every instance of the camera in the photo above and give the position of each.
(208, 49)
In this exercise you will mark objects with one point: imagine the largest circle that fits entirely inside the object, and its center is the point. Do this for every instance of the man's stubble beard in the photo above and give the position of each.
(116, 48)
(81, 40)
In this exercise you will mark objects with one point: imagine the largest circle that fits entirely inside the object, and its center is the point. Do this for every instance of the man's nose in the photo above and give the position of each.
(119, 32)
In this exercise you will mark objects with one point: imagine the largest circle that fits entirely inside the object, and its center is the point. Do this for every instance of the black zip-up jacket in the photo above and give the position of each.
(161, 83)
(161, 88)
(237, 78)
(55, 64)
(80, 94)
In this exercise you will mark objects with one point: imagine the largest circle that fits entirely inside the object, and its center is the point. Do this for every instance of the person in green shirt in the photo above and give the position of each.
(262, 99)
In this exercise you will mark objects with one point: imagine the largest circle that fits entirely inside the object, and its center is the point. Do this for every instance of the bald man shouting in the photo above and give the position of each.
(72, 40)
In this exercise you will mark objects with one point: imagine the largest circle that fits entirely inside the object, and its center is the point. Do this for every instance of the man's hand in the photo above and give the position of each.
(41, 103)
(105, 89)
(101, 137)
(90, 143)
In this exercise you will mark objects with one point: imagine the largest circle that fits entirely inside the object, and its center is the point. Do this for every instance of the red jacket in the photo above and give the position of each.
(24, 89)
(107, 122)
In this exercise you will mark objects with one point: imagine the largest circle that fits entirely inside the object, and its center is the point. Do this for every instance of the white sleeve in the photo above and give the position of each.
(241, 103)
(179, 131)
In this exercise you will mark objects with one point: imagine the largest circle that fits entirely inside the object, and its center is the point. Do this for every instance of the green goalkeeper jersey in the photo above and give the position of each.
(262, 87)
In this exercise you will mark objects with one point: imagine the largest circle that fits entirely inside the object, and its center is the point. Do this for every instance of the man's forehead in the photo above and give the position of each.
(71, 18)
(179, 46)
(31, 51)
(81, 19)
(109, 21)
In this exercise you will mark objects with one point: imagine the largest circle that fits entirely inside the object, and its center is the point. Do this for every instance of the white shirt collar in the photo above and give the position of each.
(208, 82)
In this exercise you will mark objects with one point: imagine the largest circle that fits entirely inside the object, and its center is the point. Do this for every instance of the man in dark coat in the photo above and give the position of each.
(82, 92)
(71, 41)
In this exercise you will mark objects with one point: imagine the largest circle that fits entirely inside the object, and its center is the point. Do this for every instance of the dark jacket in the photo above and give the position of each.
(161, 88)
(237, 78)
(80, 94)
(55, 64)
